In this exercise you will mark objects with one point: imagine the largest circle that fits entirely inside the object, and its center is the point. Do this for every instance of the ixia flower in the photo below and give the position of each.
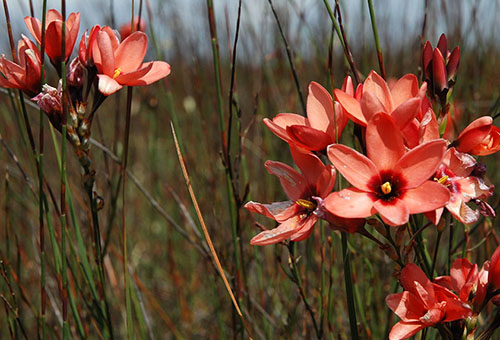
(402, 101)
(126, 29)
(25, 75)
(323, 125)
(480, 138)
(422, 304)
(440, 67)
(299, 214)
(53, 34)
(458, 172)
(122, 64)
(467, 281)
(390, 181)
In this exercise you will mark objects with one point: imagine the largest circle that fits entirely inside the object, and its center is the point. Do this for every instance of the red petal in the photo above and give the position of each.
(278, 234)
(405, 88)
(439, 71)
(404, 330)
(309, 138)
(377, 86)
(130, 54)
(406, 305)
(384, 142)
(350, 203)
(320, 108)
(354, 166)
(306, 229)
(351, 106)
(419, 164)
(317, 175)
(294, 184)
(279, 211)
(427, 197)
(394, 213)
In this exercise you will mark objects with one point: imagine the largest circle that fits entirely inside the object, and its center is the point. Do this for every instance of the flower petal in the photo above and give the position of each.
(279, 123)
(427, 197)
(103, 55)
(279, 211)
(394, 213)
(351, 106)
(384, 142)
(406, 305)
(278, 234)
(130, 54)
(404, 113)
(294, 184)
(354, 166)
(377, 86)
(410, 274)
(419, 164)
(319, 107)
(306, 229)
(156, 71)
(308, 137)
(404, 330)
(350, 203)
(405, 88)
(108, 85)
(318, 176)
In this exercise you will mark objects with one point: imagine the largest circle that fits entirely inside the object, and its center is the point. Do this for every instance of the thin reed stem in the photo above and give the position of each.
(41, 193)
(206, 234)
(64, 273)
(380, 56)
(128, 303)
(349, 288)
(289, 56)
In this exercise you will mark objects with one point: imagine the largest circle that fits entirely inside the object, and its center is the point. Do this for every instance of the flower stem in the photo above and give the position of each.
(349, 288)
(377, 40)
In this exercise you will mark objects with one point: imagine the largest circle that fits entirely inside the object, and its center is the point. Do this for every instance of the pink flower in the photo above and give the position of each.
(49, 100)
(299, 214)
(390, 181)
(87, 42)
(125, 29)
(53, 34)
(480, 138)
(121, 64)
(422, 304)
(457, 173)
(25, 75)
(323, 125)
(440, 67)
(465, 280)
(401, 102)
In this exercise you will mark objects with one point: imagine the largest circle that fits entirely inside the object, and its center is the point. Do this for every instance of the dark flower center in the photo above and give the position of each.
(389, 186)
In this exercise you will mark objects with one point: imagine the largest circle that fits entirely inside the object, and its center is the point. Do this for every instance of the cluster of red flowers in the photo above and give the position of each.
(103, 62)
(407, 163)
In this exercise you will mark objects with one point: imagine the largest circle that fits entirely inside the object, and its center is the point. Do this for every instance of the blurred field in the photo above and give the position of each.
(177, 293)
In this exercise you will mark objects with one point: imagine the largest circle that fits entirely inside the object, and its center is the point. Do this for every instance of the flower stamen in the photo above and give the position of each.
(443, 179)
(117, 73)
(306, 204)
(386, 188)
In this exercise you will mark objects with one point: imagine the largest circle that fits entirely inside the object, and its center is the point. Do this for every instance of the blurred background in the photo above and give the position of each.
(177, 291)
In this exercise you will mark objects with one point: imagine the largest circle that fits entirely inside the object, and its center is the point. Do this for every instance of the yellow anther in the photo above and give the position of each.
(306, 204)
(117, 73)
(386, 188)
(443, 179)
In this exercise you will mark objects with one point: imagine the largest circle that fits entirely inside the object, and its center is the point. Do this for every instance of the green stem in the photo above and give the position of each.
(377, 40)
(128, 302)
(349, 288)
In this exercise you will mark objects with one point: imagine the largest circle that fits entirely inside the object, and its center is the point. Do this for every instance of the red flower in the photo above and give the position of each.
(479, 138)
(389, 181)
(25, 75)
(299, 214)
(87, 42)
(422, 304)
(494, 271)
(121, 64)
(458, 173)
(53, 34)
(440, 67)
(125, 29)
(465, 280)
(402, 101)
(323, 125)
